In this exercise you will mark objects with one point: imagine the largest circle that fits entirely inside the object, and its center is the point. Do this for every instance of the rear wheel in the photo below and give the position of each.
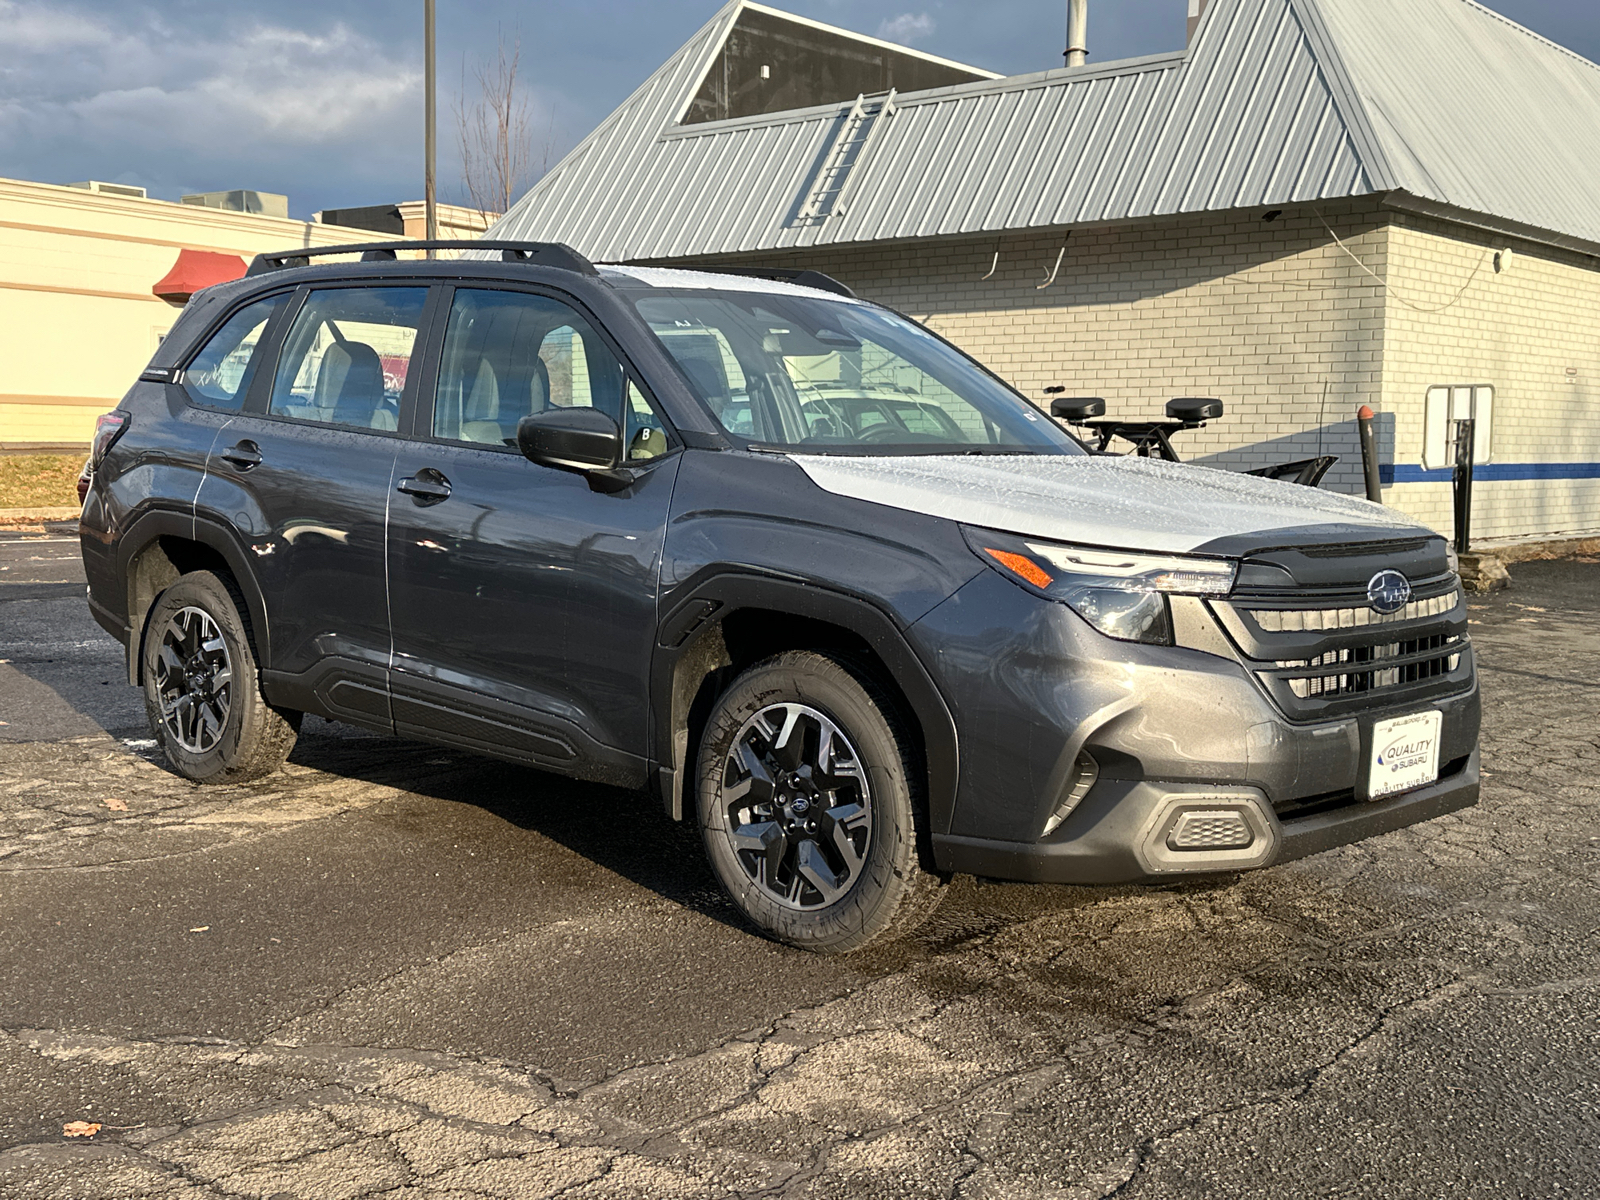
(810, 805)
(201, 686)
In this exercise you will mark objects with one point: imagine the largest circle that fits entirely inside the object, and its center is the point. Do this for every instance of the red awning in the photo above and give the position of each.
(196, 269)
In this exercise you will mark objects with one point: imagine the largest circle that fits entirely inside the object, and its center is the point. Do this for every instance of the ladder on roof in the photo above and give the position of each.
(851, 142)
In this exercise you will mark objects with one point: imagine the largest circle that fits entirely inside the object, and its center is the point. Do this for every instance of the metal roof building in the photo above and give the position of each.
(1317, 204)
(1275, 102)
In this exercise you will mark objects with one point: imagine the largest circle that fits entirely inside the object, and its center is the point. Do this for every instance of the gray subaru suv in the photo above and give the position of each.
(826, 585)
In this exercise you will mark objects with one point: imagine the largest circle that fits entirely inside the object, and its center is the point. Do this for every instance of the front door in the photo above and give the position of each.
(304, 474)
(523, 602)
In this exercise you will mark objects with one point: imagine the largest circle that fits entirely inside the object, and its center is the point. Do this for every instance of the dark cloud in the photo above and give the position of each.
(323, 99)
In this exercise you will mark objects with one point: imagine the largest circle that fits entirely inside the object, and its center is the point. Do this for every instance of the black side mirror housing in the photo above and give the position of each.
(1078, 409)
(582, 440)
(1194, 408)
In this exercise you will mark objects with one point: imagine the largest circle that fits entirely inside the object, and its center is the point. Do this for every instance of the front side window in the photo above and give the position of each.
(220, 374)
(347, 355)
(833, 377)
(508, 355)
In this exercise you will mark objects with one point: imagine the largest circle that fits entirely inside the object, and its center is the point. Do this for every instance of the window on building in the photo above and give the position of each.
(772, 63)
(347, 355)
(1447, 404)
(220, 374)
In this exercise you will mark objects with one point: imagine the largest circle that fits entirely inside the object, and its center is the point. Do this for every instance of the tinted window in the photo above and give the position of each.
(346, 357)
(508, 355)
(839, 377)
(220, 374)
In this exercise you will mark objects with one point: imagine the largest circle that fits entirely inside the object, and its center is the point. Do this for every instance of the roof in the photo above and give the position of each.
(1275, 102)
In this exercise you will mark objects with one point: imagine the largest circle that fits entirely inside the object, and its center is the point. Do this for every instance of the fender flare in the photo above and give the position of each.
(150, 527)
(703, 602)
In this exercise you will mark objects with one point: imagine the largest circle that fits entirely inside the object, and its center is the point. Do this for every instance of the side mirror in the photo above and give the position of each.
(582, 440)
(1078, 409)
(1193, 408)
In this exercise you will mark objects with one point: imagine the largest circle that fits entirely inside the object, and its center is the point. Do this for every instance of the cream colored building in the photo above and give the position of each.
(1316, 205)
(76, 307)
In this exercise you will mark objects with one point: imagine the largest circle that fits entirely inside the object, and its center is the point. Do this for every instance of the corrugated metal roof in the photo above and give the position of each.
(1276, 102)
(1474, 111)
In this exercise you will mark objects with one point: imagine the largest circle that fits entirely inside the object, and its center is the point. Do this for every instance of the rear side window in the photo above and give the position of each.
(220, 374)
(347, 355)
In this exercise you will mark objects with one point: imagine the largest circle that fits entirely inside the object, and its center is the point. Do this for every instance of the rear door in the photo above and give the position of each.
(524, 603)
(304, 474)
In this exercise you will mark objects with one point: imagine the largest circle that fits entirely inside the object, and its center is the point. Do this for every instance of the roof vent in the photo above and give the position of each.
(266, 204)
(1077, 32)
(111, 189)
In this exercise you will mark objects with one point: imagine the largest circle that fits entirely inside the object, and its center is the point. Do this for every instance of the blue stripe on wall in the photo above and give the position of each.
(1489, 472)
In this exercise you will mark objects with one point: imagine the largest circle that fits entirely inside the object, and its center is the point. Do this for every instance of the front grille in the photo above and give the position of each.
(1326, 653)
(1372, 668)
(1301, 620)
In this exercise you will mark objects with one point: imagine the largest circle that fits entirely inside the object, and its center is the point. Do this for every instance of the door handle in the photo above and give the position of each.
(427, 486)
(243, 456)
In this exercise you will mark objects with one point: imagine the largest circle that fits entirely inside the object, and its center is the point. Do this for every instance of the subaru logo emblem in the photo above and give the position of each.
(1388, 592)
(800, 805)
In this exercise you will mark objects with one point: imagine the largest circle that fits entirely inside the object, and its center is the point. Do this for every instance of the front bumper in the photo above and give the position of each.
(1122, 835)
(1174, 731)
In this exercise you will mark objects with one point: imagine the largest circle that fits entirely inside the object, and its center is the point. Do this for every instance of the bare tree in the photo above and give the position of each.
(497, 158)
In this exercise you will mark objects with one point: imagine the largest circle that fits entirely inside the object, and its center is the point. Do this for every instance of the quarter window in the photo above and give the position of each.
(220, 374)
(508, 355)
(347, 355)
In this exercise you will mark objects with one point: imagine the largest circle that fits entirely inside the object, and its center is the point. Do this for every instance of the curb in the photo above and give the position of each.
(58, 513)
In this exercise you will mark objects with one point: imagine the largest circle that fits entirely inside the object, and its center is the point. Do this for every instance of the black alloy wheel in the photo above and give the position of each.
(810, 804)
(194, 680)
(799, 806)
(202, 690)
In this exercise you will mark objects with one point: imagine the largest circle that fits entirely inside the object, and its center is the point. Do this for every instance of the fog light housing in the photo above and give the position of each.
(1211, 829)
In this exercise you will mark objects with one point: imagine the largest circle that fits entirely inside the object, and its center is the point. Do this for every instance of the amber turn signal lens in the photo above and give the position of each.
(1021, 566)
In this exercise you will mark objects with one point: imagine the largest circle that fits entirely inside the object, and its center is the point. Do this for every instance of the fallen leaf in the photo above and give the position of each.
(116, 805)
(81, 1128)
(200, 929)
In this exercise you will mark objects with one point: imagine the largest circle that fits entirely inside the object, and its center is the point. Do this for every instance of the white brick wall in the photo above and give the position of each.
(1283, 325)
(1521, 331)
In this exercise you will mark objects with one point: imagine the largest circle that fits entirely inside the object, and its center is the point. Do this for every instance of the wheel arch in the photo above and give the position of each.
(159, 548)
(718, 624)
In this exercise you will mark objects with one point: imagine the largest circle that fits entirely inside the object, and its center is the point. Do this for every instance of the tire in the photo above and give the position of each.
(793, 741)
(202, 690)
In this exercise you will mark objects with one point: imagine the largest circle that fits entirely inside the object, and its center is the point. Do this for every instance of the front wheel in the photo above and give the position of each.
(810, 804)
(201, 688)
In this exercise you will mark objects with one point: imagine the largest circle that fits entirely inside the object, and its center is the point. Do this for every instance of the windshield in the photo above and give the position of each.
(823, 376)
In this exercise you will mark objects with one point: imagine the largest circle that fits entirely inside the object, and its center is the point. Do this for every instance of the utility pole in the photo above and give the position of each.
(430, 137)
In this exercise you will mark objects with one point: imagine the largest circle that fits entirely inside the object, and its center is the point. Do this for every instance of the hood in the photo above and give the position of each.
(1128, 503)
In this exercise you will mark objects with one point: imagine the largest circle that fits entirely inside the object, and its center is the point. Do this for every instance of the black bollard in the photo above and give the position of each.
(1369, 454)
(1461, 482)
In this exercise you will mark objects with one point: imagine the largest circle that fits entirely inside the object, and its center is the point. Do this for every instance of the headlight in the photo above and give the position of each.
(1123, 595)
(1452, 559)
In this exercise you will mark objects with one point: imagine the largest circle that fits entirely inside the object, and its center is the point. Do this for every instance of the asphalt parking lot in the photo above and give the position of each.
(404, 972)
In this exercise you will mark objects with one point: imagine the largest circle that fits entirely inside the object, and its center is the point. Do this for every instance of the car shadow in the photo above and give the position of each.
(629, 834)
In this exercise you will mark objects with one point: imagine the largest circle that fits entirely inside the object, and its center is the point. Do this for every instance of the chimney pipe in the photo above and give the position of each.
(1197, 9)
(1077, 32)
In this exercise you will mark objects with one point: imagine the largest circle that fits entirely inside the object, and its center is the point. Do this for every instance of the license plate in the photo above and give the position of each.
(1405, 754)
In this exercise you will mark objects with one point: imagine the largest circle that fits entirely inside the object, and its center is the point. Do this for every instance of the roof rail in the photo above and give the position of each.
(537, 254)
(806, 278)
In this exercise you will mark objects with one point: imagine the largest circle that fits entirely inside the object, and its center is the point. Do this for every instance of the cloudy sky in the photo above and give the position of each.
(322, 99)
